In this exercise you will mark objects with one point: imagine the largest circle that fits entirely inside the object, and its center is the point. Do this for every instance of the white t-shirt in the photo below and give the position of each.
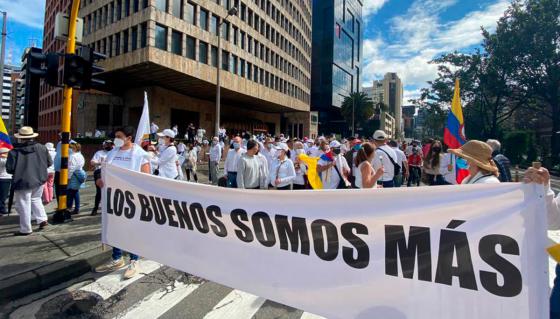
(389, 170)
(449, 175)
(132, 159)
(330, 177)
(400, 156)
(99, 157)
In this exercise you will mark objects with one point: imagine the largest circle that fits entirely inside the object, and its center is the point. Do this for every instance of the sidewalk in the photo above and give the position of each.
(60, 253)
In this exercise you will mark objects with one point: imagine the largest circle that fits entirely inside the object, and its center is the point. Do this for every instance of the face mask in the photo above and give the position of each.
(108, 148)
(357, 147)
(236, 146)
(299, 151)
(119, 142)
(462, 163)
(269, 146)
(161, 141)
(214, 142)
(336, 151)
(436, 149)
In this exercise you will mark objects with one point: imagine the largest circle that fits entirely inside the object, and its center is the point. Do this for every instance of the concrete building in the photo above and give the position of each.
(168, 48)
(385, 118)
(408, 120)
(17, 102)
(393, 98)
(337, 58)
(7, 90)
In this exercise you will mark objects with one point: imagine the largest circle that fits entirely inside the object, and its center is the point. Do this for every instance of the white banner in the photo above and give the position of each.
(473, 251)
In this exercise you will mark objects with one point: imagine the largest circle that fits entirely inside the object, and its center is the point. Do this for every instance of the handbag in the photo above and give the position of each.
(342, 182)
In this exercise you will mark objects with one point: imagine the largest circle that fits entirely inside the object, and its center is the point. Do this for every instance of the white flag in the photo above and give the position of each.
(144, 124)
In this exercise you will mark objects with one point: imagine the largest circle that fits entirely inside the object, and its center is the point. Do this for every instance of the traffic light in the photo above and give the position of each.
(44, 66)
(80, 70)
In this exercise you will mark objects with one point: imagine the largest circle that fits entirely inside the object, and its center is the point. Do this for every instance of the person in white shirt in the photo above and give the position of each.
(283, 172)
(48, 190)
(6, 180)
(366, 176)
(385, 156)
(300, 167)
(76, 165)
(129, 155)
(482, 169)
(333, 172)
(448, 169)
(153, 131)
(167, 159)
(402, 162)
(214, 162)
(98, 158)
(269, 152)
(181, 147)
(232, 159)
(191, 159)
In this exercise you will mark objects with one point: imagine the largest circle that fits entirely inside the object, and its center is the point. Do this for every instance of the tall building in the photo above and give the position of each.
(7, 91)
(17, 102)
(408, 112)
(337, 58)
(382, 119)
(393, 98)
(169, 48)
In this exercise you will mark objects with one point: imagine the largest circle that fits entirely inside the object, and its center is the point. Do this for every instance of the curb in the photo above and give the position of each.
(50, 275)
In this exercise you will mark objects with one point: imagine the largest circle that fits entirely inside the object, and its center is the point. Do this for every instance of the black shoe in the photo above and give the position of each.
(94, 211)
(22, 234)
(43, 225)
(74, 212)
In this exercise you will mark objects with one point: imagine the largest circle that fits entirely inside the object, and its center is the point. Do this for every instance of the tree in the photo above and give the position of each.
(363, 109)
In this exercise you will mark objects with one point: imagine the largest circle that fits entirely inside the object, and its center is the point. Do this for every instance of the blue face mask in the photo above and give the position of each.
(357, 147)
(462, 163)
(236, 146)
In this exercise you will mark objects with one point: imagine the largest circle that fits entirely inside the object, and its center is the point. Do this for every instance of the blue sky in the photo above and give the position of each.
(400, 35)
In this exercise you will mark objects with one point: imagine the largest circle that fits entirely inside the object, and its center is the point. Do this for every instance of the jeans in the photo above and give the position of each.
(193, 172)
(436, 180)
(232, 179)
(555, 296)
(117, 254)
(414, 177)
(4, 193)
(398, 180)
(387, 184)
(73, 197)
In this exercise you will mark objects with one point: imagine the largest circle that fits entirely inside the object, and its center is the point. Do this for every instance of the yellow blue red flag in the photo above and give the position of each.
(4, 137)
(312, 174)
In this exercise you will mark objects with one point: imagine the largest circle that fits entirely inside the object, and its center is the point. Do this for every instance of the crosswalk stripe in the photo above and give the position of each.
(199, 303)
(237, 304)
(307, 315)
(112, 283)
(159, 302)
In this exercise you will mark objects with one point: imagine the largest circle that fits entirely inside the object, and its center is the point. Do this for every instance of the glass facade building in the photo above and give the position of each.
(337, 57)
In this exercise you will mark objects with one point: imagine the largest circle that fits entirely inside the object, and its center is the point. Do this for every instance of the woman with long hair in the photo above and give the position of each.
(366, 176)
(432, 164)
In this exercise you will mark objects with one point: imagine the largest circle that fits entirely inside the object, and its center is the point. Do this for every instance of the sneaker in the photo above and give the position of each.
(132, 269)
(94, 211)
(21, 234)
(111, 266)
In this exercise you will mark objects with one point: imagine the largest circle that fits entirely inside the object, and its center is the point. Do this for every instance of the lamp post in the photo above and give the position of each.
(231, 12)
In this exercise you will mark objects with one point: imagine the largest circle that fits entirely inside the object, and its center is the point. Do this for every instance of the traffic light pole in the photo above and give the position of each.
(66, 113)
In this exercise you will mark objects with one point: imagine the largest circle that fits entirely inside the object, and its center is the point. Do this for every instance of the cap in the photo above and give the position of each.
(334, 144)
(108, 142)
(379, 135)
(49, 146)
(167, 132)
(282, 146)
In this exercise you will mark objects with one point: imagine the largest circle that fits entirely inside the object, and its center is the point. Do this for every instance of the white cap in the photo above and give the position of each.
(49, 146)
(379, 135)
(282, 146)
(334, 144)
(310, 141)
(167, 132)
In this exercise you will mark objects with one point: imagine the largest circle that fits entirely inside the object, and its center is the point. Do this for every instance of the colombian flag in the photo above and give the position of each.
(454, 134)
(312, 174)
(4, 137)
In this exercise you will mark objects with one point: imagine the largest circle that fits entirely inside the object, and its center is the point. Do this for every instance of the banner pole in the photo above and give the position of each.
(67, 113)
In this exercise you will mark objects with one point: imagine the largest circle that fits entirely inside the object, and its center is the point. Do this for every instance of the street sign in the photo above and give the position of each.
(61, 27)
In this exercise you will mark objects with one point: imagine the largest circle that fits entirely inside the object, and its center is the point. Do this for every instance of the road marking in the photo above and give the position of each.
(157, 303)
(307, 315)
(112, 283)
(237, 304)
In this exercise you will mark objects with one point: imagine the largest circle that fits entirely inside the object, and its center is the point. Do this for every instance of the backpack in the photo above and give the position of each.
(397, 167)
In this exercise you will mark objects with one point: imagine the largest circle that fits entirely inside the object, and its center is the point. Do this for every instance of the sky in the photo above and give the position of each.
(400, 35)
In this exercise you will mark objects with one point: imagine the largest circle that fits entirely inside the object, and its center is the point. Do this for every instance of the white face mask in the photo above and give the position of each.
(119, 142)
(161, 141)
(299, 151)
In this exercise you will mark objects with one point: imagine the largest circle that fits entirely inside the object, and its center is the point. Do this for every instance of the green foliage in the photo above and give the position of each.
(516, 144)
(363, 109)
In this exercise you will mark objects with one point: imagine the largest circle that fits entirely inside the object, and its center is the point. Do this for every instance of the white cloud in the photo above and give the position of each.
(421, 36)
(28, 12)
(372, 6)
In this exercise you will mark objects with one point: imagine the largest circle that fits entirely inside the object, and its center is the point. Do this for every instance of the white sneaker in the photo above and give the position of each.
(131, 270)
(111, 266)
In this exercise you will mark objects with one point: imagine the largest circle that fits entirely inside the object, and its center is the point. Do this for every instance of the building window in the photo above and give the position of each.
(125, 41)
(177, 8)
(214, 56)
(203, 52)
(118, 111)
(203, 19)
(243, 13)
(176, 42)
(126, 8)
(249, 70)
(103, 115)
(161, 37)
(225, 3)
(225, 60)
(118, 43)
(214, 24)
(191, 48)
(161, 5)
(134, 38)
(143, 35)
(225, 30)
(235, 35)
(110, 53)
(233, 64)
(135, 5)
(241, 67)
(190, 15)
(349, 21)
(119, 10)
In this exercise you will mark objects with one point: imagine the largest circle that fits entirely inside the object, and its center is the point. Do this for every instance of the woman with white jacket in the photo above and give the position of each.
(482, 169)
(167, 159)
(283, 172)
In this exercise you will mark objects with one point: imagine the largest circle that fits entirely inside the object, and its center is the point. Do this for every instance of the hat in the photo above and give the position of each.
(167, 132)
(477, 152)
(25, 133)
(49, 146)
(379, 135)
(310, 141)
(4, 150)
(108, 142)
(282, 146)
(334, 144)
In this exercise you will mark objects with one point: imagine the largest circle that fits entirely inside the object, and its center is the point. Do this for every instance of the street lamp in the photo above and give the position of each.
(231, 12)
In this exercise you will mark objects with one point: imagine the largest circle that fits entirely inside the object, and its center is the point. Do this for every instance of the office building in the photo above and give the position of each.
(393, 98)
(17, 101)
(7, 90)
(337, 58)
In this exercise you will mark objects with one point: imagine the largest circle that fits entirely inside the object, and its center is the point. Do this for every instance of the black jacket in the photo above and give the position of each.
(28, 162)
(504, 165)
